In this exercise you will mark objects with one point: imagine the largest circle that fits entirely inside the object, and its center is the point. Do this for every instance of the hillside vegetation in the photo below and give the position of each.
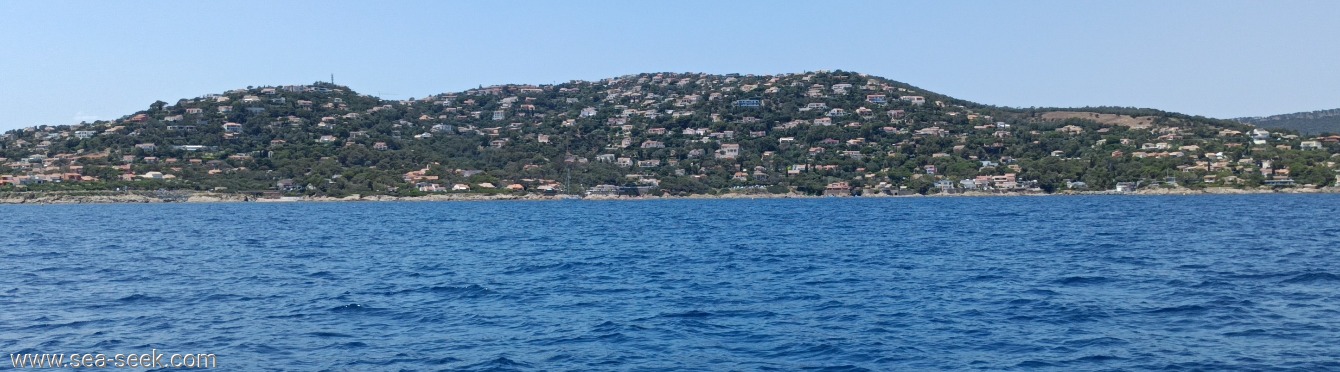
(833, 132)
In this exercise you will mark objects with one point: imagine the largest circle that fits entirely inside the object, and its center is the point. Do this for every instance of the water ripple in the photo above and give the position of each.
(1059, 283)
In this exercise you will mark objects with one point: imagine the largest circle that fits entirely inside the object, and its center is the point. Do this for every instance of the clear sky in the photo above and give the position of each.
(66, 61)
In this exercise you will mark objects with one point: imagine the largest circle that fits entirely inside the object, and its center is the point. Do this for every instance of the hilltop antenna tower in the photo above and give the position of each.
(332, 79)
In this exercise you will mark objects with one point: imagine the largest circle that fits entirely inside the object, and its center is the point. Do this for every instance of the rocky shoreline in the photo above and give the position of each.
(213, 197)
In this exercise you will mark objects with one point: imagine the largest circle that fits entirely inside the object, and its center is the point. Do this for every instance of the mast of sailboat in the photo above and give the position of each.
(567, 167)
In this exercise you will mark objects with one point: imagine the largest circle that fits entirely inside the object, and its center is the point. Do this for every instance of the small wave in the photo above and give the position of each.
(805, 350)
(131, 279)
(749, 314)
(292, 315)
(473, 289)
(1184, 309)
(1247, 333)
(260, 348)
(603, 338)
(1034, 364)
(606, 326)
(1256, 276)
(1310, 278)
(797, 297)
(74, 324)
(108, 344)
(1041, 292)
(687, 314)
(1106, 246)
(328, 334)
(985, 278)
(612, 327)
(497, 364)
(1176, 283)
(832, 304)
(442, 360)
(1097, 358)
(1213, 284)
(557, 267)
(353, 308)
(466, 291)
(221, 297)
(1097, 342)
(558, 358)
(846, 367)
(1083, 280)
(831, 281)
(138, 298)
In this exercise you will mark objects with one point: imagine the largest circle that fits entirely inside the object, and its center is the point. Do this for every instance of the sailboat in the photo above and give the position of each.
(567, 184)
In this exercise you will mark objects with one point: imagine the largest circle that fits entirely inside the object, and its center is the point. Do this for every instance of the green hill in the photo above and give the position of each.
(1315, 122)
(832, 132)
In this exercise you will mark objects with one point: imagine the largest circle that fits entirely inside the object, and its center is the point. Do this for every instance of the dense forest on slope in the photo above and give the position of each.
(660, 133)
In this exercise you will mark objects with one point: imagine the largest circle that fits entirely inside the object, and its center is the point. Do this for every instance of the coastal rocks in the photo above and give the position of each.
(215, 198)
(103, 198)
(77, 199)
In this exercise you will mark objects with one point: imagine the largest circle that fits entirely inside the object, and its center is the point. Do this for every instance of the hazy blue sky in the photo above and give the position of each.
(66, 61)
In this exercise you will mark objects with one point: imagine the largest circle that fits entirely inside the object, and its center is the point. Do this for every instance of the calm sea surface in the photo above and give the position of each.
(1025, 283)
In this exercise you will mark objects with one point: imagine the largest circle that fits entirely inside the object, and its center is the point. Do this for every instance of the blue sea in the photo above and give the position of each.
(1249, 282)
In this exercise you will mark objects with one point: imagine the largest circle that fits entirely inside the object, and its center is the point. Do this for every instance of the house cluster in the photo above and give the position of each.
(39, 169)
(67, 168)
(1002, 183)
(428, 180)
(632, 103)
(607, 190)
